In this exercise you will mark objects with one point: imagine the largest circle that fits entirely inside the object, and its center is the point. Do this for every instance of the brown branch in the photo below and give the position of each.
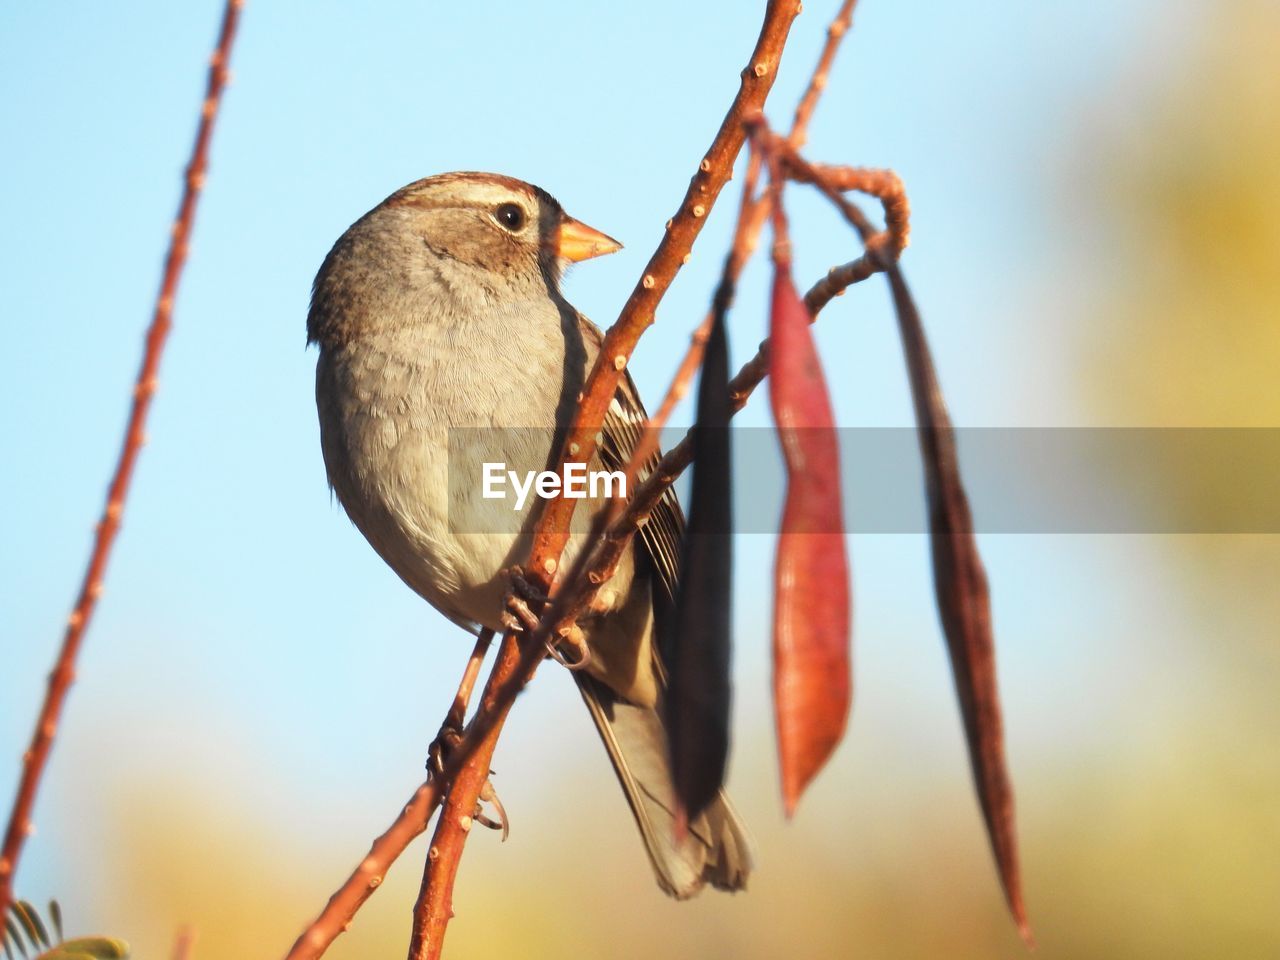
(37, 755)
(676, 391)
(462, 699)
(413, 819)
(883, 247)
(818, 81)
(368, 875)
(515, 667)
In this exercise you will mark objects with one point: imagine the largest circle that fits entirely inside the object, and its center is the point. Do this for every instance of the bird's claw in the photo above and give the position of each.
(521, 602)
(518, 617)
(570, 649)
(438, 755)
(490, 795)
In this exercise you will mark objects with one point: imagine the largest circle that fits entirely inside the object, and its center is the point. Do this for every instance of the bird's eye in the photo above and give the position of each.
(511, 216)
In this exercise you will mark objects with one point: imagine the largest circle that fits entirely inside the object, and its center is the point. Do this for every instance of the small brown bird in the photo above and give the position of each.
(438, 315)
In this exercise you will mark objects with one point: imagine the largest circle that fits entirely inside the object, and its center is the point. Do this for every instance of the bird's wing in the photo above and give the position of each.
(624, 425)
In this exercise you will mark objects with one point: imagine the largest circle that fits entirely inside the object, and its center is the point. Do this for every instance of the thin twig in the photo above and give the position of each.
(883, 247)
(37, 754)
(514, 667)
(676, 391)
(754, 211)
(413, 819)
(462, 699)
(818, 81)
(369, 874)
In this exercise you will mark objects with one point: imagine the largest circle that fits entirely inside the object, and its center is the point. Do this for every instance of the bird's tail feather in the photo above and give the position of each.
(715, 849)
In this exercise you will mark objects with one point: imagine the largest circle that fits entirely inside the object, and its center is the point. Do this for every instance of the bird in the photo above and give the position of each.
(445, 342)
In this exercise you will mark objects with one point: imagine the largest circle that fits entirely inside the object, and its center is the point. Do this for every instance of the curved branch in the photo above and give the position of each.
(37, 755)
(368, 874)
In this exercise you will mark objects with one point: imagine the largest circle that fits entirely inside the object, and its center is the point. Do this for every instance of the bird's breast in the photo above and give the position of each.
(409, 421)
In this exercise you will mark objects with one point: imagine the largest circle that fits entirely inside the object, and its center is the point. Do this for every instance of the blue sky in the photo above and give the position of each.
(247, 634)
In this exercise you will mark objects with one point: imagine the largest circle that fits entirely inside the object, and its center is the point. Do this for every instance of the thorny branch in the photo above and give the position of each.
(369, 873)
(412, 820)
(37, 755)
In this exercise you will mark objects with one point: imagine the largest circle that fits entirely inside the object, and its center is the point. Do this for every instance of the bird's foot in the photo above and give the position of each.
(441, 747)
(521, 601)
(448, 740)
(569, 648)
(522, 587)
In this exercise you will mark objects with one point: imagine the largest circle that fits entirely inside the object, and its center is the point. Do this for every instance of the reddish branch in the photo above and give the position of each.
(638, 312)
(595, 566)
(370, 872)
(368, 875)
(818, 81)
(37, 754)
(752, 214)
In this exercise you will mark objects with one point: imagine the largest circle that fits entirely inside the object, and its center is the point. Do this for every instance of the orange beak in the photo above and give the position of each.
(576, 241)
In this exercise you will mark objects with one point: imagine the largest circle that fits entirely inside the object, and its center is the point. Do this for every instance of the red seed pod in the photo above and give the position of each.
(812, 674)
